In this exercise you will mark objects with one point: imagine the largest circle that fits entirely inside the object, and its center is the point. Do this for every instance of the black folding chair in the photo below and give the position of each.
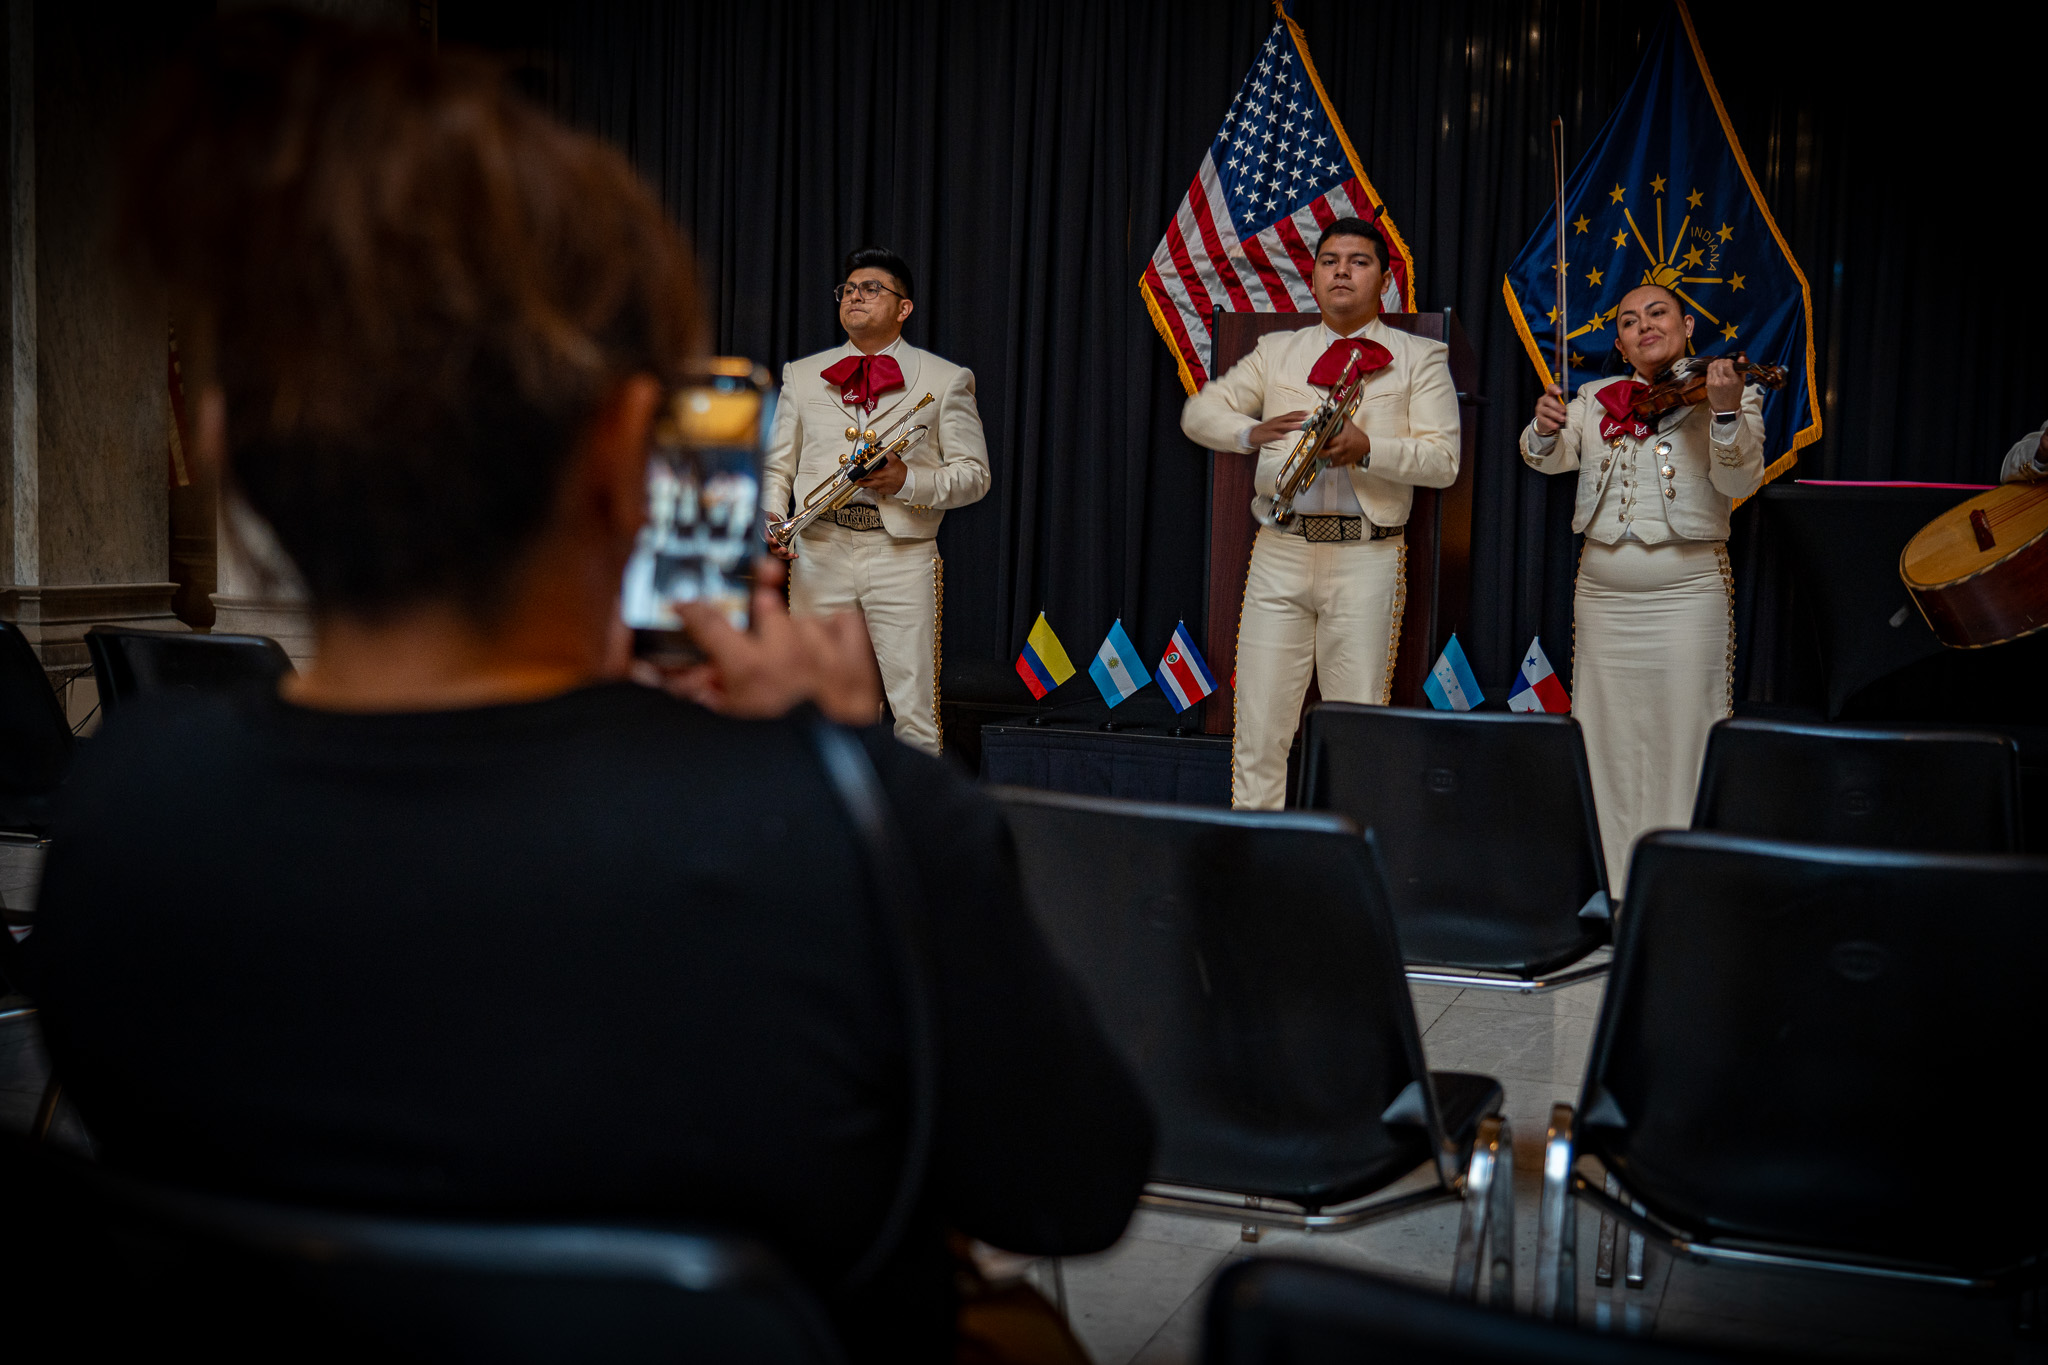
(35, 739)
(260, 1280)
(1818, 1058)
(1245, 965)
(127, 662)
(1862, 787)
(1275, 1311)
(1487, 833)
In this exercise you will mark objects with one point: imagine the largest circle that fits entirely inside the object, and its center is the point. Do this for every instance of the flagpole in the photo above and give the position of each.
(1557, 179)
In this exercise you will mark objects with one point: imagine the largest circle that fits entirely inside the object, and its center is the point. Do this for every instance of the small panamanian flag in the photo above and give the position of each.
(1118, 671)
(1184, 674)
(1044, 664)
(1536, 686)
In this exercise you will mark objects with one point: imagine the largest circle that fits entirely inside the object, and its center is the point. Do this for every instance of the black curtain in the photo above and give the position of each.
(1025, 156)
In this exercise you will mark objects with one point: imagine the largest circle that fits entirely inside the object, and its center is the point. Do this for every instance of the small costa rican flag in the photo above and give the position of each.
(1117, 670)
(1184, 674)
(1450, 686)
(1536, 686)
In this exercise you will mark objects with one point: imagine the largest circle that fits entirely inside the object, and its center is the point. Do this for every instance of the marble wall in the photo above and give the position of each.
(84, 534)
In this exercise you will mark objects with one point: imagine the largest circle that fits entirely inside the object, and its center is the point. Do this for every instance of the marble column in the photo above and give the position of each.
(84, 527)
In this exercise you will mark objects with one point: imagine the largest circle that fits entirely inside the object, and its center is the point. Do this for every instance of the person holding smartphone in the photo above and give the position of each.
(878, 553)
(459, 921)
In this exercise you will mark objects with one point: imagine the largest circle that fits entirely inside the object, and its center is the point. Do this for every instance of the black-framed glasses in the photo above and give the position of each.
(867, 289)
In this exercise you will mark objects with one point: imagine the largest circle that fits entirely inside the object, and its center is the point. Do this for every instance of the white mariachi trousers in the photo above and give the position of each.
(1328, 610)
(899, 586)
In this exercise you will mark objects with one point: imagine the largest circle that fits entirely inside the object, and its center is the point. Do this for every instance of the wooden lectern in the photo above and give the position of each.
(1439, 526)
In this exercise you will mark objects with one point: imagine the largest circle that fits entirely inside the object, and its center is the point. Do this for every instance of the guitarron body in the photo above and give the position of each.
(1979, 572)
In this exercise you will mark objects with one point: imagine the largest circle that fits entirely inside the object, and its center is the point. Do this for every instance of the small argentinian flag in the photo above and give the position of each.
(1118, 672)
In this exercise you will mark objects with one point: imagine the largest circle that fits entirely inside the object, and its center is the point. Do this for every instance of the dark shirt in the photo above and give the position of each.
(602, 955)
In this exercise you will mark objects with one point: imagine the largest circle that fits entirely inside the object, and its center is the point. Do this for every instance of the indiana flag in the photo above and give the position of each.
(1184, 674)
(1117, 670)
(1536, 686)
(1279, 171)
(1044, 664)
(1450, 686)
(1665, 196)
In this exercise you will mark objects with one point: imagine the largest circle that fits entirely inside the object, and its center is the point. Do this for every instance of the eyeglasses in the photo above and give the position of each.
(867, 289)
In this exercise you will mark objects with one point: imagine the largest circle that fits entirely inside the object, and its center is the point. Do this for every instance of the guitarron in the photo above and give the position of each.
(1979, 572)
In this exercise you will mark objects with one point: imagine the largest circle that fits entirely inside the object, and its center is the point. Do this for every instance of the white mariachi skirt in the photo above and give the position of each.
(1653, 659)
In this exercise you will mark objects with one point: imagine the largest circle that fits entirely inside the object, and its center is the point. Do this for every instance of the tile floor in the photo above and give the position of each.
(1141, 1302)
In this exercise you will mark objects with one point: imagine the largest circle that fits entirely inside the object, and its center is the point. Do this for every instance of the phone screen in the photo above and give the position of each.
(703, 500)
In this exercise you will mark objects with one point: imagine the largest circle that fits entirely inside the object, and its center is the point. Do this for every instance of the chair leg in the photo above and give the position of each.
(1636, 1247)
(1557, 1281)
(1603, 1264)
(1482, 1173)
(1059, 1290)
(1501, 1233)
(46, 1112)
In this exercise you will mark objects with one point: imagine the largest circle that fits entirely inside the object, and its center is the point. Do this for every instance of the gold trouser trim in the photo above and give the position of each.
(1728, 582)
(1394, 629)
(1234, 661)
(938, 628)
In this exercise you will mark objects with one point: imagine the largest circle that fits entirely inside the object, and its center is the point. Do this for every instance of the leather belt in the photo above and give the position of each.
(858, 516)
(1329, 529)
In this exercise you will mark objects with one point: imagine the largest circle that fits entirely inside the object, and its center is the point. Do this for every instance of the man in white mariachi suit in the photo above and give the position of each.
(878, 553)
(1324, 593)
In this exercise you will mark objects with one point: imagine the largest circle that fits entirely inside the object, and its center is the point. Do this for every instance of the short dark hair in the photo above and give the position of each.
(413, 288)
(880, 258)
(1355, 227)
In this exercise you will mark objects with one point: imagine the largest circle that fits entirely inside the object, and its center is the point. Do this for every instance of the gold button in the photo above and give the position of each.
(1671, 492)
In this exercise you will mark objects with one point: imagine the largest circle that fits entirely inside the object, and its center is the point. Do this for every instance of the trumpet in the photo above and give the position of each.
(1298, 475)
(871, 450)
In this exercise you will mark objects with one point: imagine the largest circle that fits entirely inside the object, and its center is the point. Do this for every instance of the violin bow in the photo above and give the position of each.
(1557, 181)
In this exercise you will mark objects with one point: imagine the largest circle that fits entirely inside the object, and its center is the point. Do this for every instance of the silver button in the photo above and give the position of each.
(1663, 447)
(1671, 492)
(1667, 471)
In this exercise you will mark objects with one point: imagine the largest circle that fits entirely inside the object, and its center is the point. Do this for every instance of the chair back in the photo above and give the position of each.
(1862, 787)
(1276, 1311)
(1805, 1045)
(1245, 965)
(292, 1282)
(35, 739)
(1485, 826)
(127, 662)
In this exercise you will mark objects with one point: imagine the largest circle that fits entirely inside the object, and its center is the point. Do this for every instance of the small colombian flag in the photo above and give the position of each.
(1044, 664)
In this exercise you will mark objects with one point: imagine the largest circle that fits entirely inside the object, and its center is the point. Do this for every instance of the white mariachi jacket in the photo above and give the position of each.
(1692, 466)
(1409, 410)
(948, 468)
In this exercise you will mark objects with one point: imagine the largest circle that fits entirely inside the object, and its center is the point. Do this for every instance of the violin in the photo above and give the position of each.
(1685, 384)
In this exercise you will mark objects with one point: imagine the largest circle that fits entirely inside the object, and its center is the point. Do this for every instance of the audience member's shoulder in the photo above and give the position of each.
(930, 792)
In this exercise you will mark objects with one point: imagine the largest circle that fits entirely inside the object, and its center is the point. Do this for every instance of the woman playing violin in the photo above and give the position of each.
(1654, 620)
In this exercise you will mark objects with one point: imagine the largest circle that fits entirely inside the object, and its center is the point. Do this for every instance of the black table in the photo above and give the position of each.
(1139, 765)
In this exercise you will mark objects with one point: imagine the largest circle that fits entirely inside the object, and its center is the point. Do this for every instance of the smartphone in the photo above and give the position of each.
(703, 508)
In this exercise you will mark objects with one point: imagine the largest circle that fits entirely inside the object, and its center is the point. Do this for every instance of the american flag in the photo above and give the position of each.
(1279, 172)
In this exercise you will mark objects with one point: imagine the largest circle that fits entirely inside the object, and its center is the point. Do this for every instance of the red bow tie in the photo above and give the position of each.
(1329, 371)
(863, 379)
(1619, 399)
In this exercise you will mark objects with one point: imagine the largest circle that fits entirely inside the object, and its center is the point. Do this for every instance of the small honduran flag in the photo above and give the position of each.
(1184, 674)
(1536, 686)
(1450, 686)
(1118, 670)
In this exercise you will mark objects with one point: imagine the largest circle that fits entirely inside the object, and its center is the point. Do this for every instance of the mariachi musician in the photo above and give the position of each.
(877, 552)
(1325, 589)
(1653, 611)
(2027, 461)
